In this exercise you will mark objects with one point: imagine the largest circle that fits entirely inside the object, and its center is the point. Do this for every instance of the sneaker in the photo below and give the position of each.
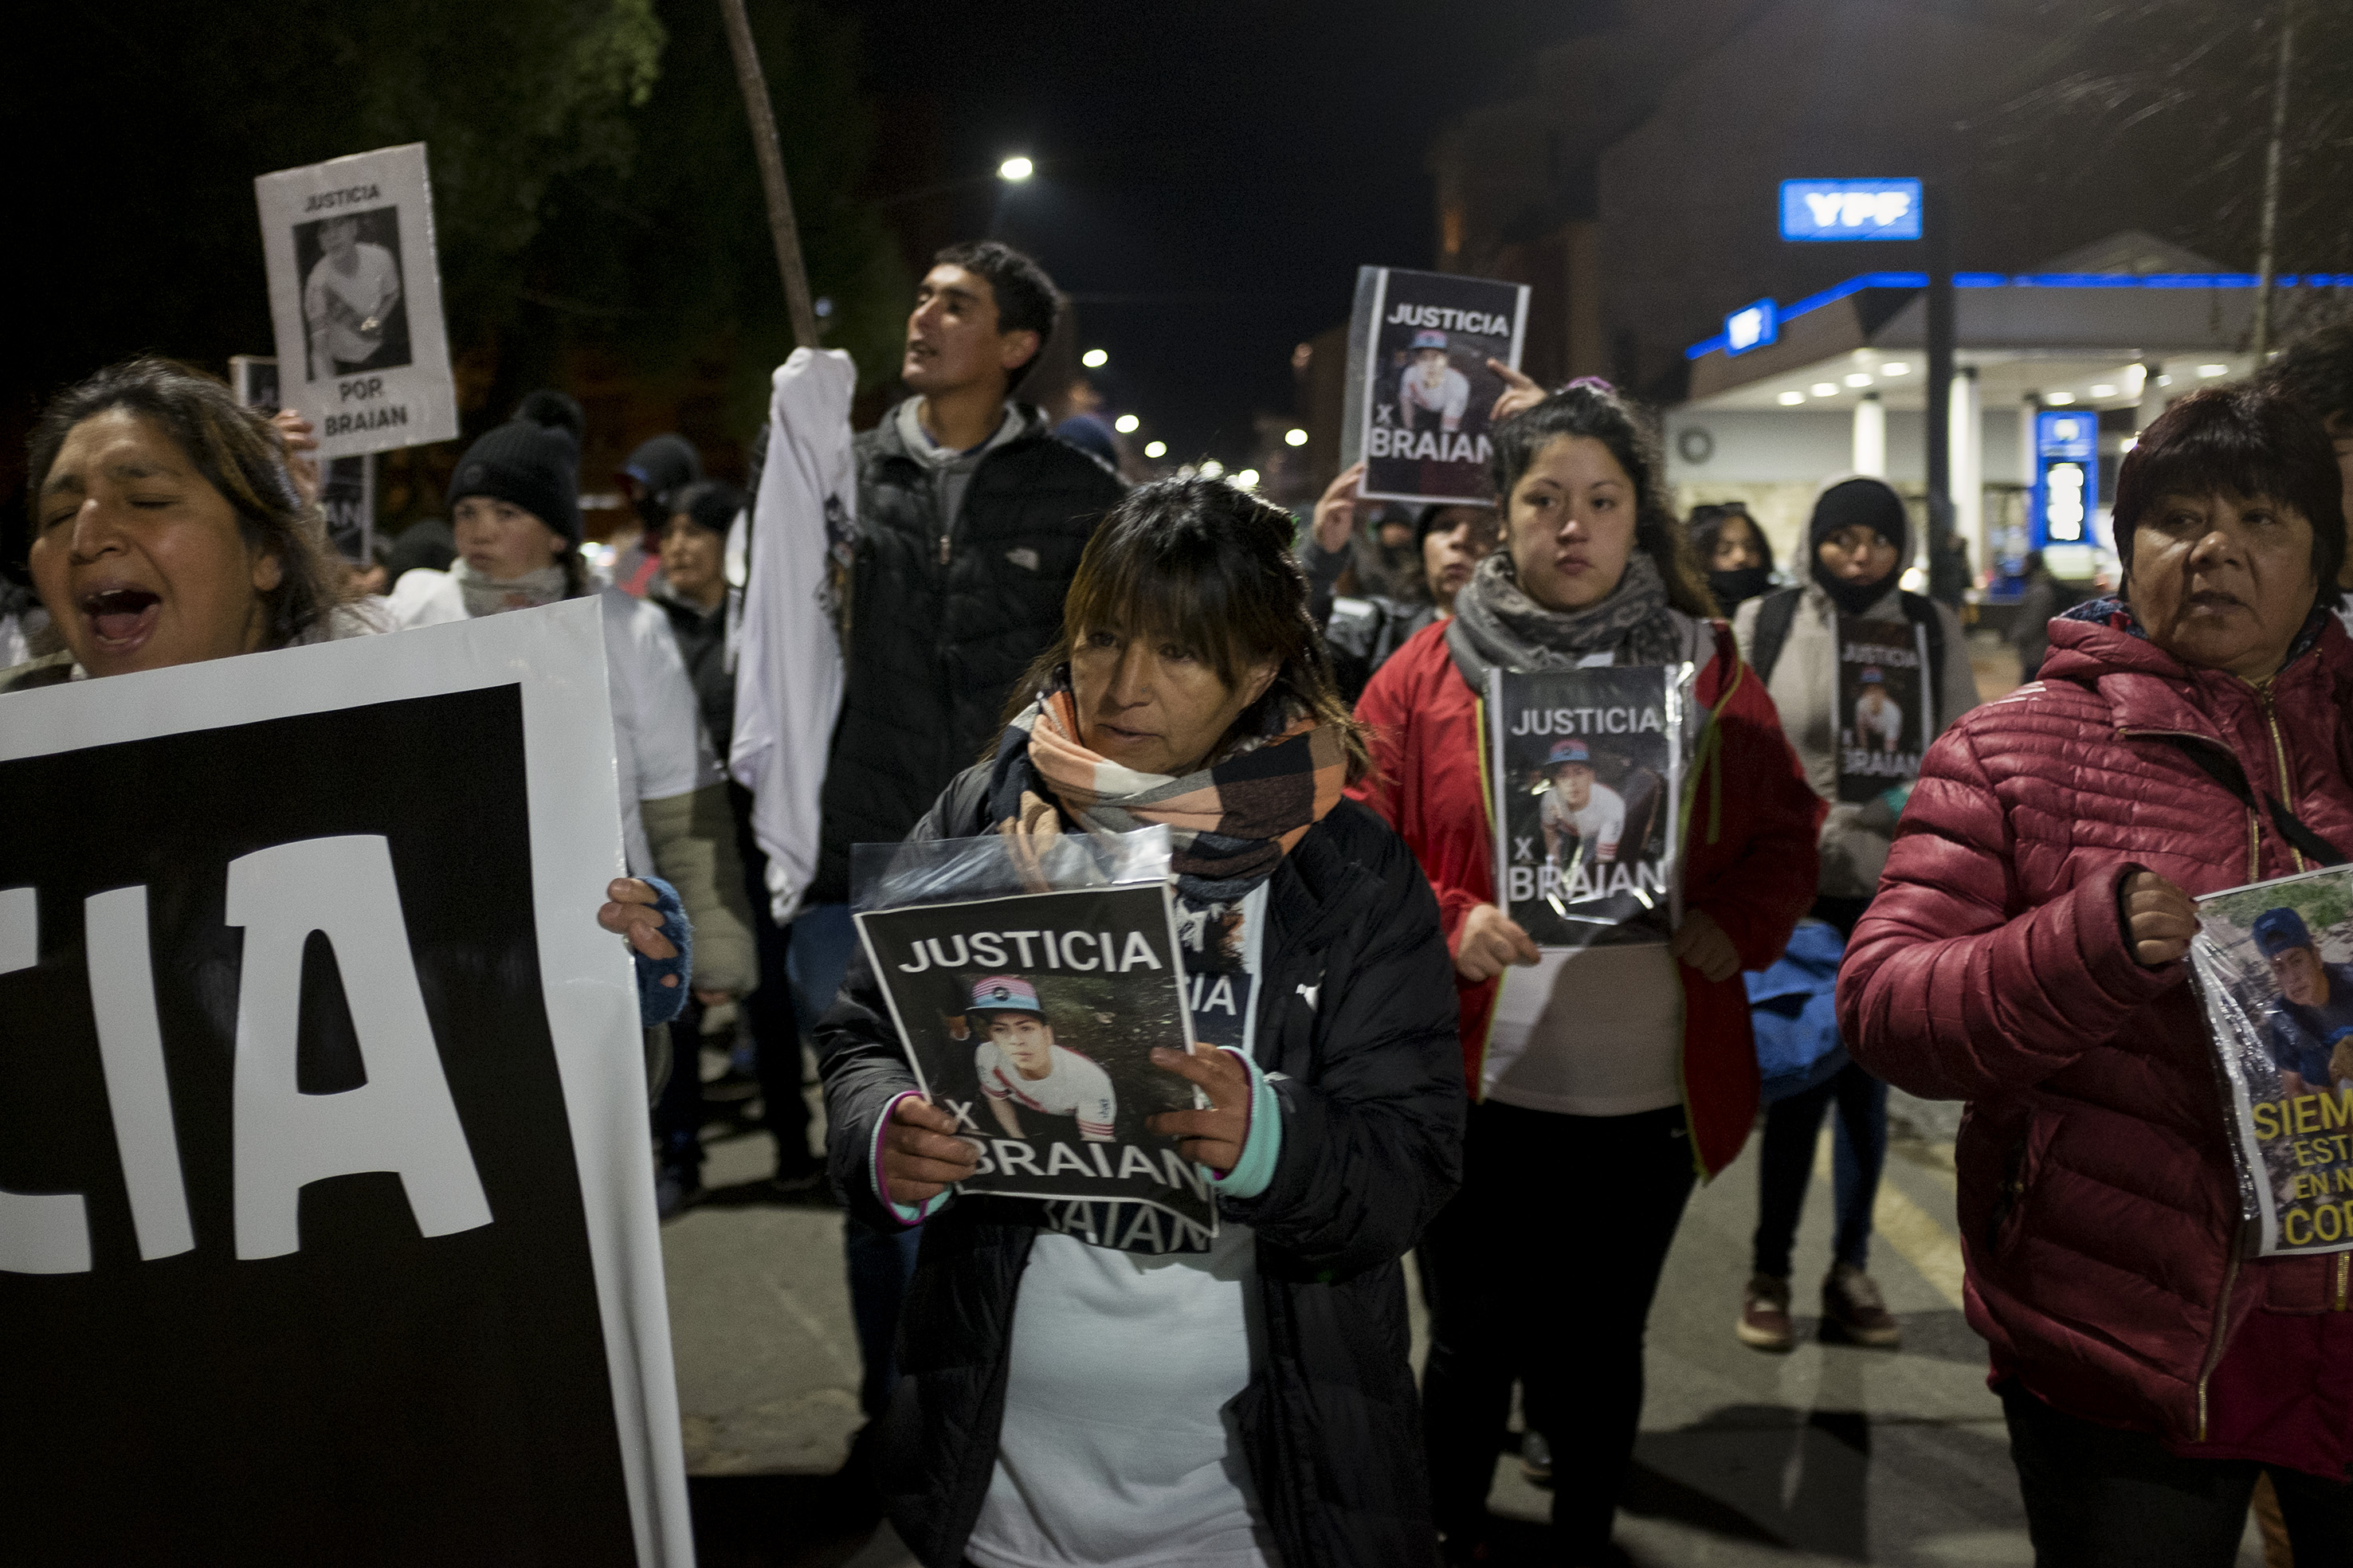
(1851, 1306)
(675, 1188)
(1764, 1322)
(1535, 1458)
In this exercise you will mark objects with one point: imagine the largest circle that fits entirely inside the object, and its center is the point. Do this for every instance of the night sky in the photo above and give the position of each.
(1210, 177)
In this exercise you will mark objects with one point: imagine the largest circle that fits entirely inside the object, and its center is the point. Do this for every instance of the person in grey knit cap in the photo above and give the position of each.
(514, 507)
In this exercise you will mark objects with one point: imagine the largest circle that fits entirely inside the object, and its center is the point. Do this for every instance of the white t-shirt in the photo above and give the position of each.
(343, 302)
(1881, 721)
(1599, 822)
(1072, 1086)
(659, 749)
(1116, 1450)
(1447, 399)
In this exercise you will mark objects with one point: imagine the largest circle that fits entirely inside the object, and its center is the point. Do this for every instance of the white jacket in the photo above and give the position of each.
(659, 746)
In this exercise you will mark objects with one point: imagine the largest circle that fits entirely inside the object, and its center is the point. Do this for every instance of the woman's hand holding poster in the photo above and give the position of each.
(1587, 769)
(1031, 1020)
(2275, 967)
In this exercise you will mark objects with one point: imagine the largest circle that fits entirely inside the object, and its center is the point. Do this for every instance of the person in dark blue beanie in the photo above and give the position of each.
(2316, 1003)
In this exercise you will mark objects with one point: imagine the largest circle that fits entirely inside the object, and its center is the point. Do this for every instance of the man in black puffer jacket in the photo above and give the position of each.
(971, 518)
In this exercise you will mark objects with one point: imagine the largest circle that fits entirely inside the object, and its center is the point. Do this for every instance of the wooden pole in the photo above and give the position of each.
(781, 226)
(2270, 219)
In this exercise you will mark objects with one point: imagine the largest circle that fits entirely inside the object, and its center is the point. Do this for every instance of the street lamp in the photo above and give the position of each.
(1294, 437)
(1156, 448)
(1126, 424)
(1014, 169)
(1095, 358)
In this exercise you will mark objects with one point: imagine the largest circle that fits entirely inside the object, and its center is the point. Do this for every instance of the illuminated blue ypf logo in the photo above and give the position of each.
(1849, 209)
(1751, 327)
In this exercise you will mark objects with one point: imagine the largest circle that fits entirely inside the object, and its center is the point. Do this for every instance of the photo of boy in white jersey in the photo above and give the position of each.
(1432, 393)
(1021, 1067)
(1574, 808)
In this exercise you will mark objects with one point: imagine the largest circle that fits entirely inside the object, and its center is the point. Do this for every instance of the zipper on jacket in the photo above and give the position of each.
(944, 547)
(2344, 1268)
(2221, 1331)
(2279, 760)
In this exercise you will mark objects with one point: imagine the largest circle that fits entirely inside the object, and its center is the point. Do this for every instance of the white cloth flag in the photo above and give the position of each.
(789, 667)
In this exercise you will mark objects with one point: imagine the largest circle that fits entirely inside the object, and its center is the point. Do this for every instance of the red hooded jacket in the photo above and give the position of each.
(2098, 1208)
(1749, 857)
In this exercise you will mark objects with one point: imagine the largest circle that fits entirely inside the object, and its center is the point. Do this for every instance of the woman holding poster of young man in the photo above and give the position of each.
(167, 529)
(2025, 954)
(1638, 1071)
(1081, 1392)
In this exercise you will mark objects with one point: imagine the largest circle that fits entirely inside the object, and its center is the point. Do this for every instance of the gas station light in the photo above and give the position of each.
(2060, 399)
(1858, 379)
(1824, 389)
(2211, 371)
(1895, 367)
(1791, 399)
(2104, 389)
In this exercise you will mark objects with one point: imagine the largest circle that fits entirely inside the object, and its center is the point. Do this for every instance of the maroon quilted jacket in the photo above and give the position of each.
(2098, 1208)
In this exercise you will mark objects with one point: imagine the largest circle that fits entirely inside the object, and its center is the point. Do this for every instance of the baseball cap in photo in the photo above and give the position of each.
(1427, 340)
(1569, 752)
(1871, 676)
(1004, 993)
(2279, 930)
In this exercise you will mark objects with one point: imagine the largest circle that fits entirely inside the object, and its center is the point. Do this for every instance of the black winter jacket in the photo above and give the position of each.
(1357, 1015)
(941, 626)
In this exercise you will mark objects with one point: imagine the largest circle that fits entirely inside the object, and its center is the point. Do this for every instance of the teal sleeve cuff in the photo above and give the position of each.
(908, 1215)
(1262, 1146)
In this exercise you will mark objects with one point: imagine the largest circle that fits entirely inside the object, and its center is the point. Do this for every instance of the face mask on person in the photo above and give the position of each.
(1738, 585)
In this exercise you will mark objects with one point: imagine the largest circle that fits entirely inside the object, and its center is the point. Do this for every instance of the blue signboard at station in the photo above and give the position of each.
(1849, 209)
(1751, 328)
(2066, 476)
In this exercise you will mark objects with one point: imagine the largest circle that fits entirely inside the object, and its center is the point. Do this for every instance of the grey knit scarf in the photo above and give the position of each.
(1497, 625)
(487, 597)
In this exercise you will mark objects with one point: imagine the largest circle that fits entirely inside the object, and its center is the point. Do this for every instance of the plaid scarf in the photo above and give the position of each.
(1229, 823)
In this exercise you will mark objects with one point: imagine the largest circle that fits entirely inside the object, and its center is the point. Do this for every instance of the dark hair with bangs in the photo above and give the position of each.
(1588, 407)
(237, 451)
(1210, 566)
(1707, 523)
(2245, 441)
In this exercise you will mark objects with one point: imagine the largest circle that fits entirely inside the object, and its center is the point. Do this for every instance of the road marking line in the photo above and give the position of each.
(1928, 1246)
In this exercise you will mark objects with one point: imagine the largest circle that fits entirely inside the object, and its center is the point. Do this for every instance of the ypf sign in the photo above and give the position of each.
(1850, 209)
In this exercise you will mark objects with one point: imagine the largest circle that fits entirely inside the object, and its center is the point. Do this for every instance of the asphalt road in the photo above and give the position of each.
(1830, 1454)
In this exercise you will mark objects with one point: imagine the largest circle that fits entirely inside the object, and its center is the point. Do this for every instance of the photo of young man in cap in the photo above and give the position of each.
(2312, 1026)
(1575, 807)
(1878, 720)
(1020, 1066)
(350, 297)
(1432, 393)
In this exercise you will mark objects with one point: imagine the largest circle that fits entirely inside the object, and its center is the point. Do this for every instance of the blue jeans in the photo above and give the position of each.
(880, 1262)
(1860, 1150)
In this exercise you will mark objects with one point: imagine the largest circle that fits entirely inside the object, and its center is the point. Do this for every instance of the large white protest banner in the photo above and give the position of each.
(355, 299)
(326, 1226)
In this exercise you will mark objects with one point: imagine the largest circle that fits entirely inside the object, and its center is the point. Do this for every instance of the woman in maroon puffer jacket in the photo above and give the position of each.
(2025, 954)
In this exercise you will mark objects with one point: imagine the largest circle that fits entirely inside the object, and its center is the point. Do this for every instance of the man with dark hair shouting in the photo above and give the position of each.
(970, 518)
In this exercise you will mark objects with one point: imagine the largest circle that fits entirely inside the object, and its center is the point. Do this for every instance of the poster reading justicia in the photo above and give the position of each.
(1420, 388)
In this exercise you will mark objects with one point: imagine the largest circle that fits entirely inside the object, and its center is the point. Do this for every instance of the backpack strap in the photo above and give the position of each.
(1775, 613)
(1922, 612)
(2223, 768)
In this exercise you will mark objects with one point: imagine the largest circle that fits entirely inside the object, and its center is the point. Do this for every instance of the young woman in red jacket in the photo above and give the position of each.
(2025, 954)
(1629, 1070)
